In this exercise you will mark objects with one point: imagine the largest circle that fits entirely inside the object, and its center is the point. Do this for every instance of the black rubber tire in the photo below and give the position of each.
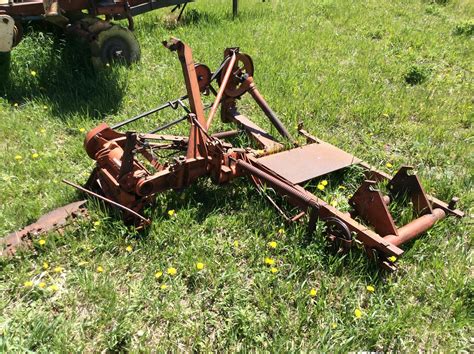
(18, 33)
(115, 45)
(5, 62)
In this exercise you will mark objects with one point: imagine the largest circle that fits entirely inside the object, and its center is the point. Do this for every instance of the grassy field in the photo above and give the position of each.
(391, 81)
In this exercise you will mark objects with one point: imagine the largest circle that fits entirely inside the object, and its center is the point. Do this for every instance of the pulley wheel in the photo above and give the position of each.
(237, 85)
(204, 75)
(338, 234)
(115, 44)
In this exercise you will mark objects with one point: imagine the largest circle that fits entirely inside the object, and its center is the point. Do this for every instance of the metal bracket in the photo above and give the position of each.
(370, 204)
(405, 184)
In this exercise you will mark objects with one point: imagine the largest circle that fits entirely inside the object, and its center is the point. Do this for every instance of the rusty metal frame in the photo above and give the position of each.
(211, 155)
(129, 171)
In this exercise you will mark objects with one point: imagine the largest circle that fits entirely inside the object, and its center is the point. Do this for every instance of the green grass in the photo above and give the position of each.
(391, 81)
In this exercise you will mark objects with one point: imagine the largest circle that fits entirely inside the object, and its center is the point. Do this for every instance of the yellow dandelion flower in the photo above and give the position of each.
(171, 271)
(33, 73)
(129, 248)
(392, 259)
(45, 265)
(82, 130)
(334, 203)
(389, 165)
(272, 244)
(96, 223)
(18, 157)
(28, 284)
(171, 212)
(53, 287)
(281, 231)
(163, 287)
(334, 325)
(370, 288)
(58, 269)
(341, 187)
(274, 270)
(269, 261)
(42, 285)
(42, 242)
(357, 313)
(236, 244)
(320, 187)
(35, 155)
(158, 275)
(199, 266)
(313, 292)
(100, 269)
(324, 182)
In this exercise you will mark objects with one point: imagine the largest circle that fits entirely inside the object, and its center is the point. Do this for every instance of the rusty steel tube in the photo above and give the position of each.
(287, 188)
(226, 134)
(416, 227)
(269, 112)
(225, 80)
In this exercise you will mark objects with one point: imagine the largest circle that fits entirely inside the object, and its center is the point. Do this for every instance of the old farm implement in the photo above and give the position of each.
(87, 19)
(129, 171)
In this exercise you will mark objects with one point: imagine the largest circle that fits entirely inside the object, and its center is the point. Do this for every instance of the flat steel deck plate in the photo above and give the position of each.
(307, 162)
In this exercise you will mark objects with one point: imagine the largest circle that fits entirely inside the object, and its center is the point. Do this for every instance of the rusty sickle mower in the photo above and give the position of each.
(129, 173)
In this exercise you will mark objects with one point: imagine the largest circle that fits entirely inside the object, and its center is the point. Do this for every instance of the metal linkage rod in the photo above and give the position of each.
(173, 104)
(269, 112)
(118, 205)
(170, 124)
(179, 120)
(217, 101)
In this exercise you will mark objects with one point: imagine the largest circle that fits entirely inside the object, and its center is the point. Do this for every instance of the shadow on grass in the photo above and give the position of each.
(190, 17)
(58, 69)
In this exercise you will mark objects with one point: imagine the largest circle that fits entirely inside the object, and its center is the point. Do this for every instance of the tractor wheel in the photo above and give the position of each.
(4, 69)
(17, 33)
(116, 44)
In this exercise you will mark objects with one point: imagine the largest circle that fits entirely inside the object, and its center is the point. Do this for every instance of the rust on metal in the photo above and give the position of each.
(120, 177)
(222, 88)
(416, 227)
(309, 161)
(371, 205)
(264, 139)
(132, 167)
(404, 183)
(54, 220)
(90, 20)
